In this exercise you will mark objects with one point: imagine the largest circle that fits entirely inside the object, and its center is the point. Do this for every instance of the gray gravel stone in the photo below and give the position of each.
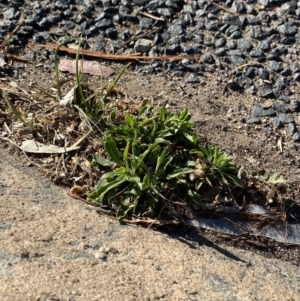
(207, 58)
(256, 32)
(284, 118)
(231, 44)
(165, 12)
(237, 60)
(281, 107)
(296, 137)
(142, 45)
(295, 105)
(251, 90)
(266, 91)
(146, 23)
(275, 66)
(297, 76)
(296, 67)
(192, 79)
(244, 45)
(259, 111)
(256, 53)
(286, 29)
(176, 29)
(104, 23)
(221, 51)
(220, 42)
(253, 120)
(264, 45)
(277, 123)
(292, 127)
(9, 14)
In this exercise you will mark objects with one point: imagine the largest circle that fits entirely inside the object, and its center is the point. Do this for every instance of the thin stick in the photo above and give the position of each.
(117, 57)
(149, 15)
(225, 9)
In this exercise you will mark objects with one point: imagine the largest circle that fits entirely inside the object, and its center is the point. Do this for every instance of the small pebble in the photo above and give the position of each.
(100, 255)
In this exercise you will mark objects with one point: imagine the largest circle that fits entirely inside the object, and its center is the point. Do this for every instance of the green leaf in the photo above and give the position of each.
(163, 113)
(134, 205)
(179, 172)
(153, 154)
(191, 138)
(150, 148)
(102, 161)
(194, 196)
(183, 114)
(113, 84)
(136, 148)
(129, 120)
(161, 158)
(204, 151)
(113, 115)
(105, 179)
(164, 166)
(166, 133)
(112, 150)
(122, 211)
(154, 129)
(162, 141)
(134, 191)
(126, 174)
(191, 163)
(198, 184)
(125, 155)
(146, 181)
(143, 112)
(153, 199)
(13, 109)
(99, 194)
(132, 179)
(236, 180)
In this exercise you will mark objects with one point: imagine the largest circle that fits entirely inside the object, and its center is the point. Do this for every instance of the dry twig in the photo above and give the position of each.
(116, 57)
(149, 15)
(225, 8)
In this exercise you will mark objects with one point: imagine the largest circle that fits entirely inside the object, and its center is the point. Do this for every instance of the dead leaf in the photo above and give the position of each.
(67, 65)
(68, 98)
(32, 146)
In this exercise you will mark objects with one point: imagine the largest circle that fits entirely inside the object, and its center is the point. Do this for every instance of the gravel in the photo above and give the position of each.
(263, 35)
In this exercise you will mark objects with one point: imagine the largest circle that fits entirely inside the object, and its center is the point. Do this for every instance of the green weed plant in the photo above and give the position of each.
(154, 159)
